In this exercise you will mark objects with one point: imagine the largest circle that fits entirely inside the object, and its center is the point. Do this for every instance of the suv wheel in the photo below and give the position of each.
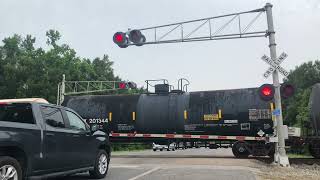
(101, 165)
(10, 169)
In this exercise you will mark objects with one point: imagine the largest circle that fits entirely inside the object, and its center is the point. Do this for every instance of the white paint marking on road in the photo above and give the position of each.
(145, 173)
(123, 166)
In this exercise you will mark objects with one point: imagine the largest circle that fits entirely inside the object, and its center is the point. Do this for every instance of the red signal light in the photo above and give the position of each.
(266, 92)
(120, 39)
(122, 85)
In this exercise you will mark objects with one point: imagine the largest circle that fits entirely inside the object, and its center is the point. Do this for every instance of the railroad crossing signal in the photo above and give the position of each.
(120, 39)
(266, 92)
(287, 90)
(66, 88)
(136, 37)
(132, 37)
(275, 64)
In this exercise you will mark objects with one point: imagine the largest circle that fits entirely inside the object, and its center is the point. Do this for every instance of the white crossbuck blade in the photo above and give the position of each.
(275, 64)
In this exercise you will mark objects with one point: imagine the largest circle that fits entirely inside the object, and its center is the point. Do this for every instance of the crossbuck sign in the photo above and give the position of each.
(275, 64)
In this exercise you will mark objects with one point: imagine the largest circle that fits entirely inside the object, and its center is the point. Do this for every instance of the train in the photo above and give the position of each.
(237, 117)
(312, 140)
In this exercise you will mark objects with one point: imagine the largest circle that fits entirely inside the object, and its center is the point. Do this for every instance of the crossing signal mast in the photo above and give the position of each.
(213, 30)
(70, 88)
(177, 33)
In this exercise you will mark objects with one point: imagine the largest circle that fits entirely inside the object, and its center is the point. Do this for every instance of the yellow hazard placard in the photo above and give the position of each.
(211, 117)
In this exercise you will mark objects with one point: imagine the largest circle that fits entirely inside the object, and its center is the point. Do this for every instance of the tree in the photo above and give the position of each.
(26, 71)
(303, 77)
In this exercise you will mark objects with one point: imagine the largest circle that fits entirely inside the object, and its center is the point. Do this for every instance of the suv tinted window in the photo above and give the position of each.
(75, 121)
(53, 116)
(21, 113)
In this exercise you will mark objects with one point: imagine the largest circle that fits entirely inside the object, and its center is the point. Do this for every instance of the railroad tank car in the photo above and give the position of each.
(313, 141)
(315, 109)
(236, 112)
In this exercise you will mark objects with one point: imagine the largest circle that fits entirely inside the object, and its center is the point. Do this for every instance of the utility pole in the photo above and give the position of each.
(280, 152)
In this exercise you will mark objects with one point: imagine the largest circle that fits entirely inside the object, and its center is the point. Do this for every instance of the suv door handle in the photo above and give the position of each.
(76, 135)
(49, 134)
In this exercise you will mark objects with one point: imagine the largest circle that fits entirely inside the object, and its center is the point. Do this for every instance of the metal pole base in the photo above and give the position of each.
(281, 160)
(276, 158)
(284, 161)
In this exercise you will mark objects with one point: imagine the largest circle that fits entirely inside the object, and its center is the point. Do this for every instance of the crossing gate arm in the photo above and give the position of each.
(187, 136)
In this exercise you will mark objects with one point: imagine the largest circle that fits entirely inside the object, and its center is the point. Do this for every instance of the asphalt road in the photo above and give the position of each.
(190, 164)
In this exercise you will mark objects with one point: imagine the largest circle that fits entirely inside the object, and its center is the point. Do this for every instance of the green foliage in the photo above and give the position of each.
(26, 71)
(130, 146)
(303, 77)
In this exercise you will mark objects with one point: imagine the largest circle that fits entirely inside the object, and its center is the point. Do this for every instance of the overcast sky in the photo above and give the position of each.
(88, 27)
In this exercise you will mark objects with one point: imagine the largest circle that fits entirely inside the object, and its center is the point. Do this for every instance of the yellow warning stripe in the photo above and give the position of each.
(133, 116)
(272, 108)
(185, 115)
(110, 116)
(220, 114)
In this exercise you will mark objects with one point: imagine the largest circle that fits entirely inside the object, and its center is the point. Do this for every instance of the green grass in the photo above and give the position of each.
(290, 155)
(129, 147)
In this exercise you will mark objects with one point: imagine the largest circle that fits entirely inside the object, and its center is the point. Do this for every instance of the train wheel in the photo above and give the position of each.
(314, 149)
(240, 150)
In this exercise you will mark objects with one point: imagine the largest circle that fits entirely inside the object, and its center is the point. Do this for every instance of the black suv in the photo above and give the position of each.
(41, 140)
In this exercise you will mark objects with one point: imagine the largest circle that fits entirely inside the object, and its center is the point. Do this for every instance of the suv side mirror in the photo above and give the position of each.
(94, 128)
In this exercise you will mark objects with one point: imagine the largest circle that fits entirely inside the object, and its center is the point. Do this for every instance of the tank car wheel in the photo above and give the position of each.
(240, 150)
(314, 149)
